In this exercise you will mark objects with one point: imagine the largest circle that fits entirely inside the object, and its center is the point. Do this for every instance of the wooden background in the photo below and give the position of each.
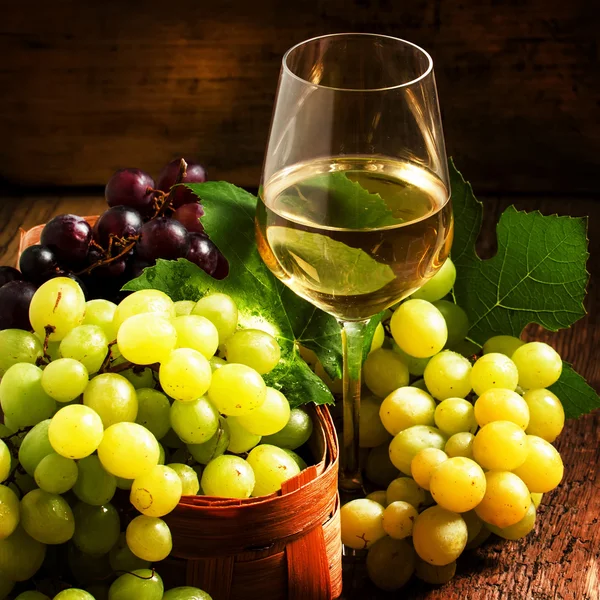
(89, 86)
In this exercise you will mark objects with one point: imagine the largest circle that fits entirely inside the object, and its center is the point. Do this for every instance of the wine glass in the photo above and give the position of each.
(354, 212)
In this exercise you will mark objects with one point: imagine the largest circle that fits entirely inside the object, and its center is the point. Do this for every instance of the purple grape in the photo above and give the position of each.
(120, 221)
(189, 216)
(114, 269)
(131, 187)
(203, 252)
(38, 263)
(15, 298)
(163, 238)
(222, 269)
(168, 176)
(9, 274)
(68, 236)
(94, 255)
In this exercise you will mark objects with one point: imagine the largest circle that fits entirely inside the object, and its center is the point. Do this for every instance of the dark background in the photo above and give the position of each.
(87, 87)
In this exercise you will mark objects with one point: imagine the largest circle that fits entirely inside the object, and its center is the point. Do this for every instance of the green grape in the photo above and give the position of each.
(237, 389)
(460, 444)
(101, 313)
(296, 432)
(153, 412)
(127, 450)
(141, 584)
(22, 397)
(415, 366)
(56, 474)
(216, 363)
(197, 333)
(500, 446)
(94, 485)
(536, 499)
(405, 489)
(31, 595)
(221, 311)
(87, 344)
(254, 348)
(35, 446)
(157, 492)
(20, 555)
(47, 517)
(506, 500)
(296, 458)
(406, 407)
(146, 338)
(96, 528)
(519, 529)
(497, 404)
(272, 466)
(458, 484)
(543, 468)
(439, 536)
(479, 539)
(377, 341)
(398, 519)
(184, 307)
(371, 430)
(189, 478)
(419, 328)
(112, 397)
(73, 594)
(75, 431)
(144, 301)
(185, 375)
(378, 496)
(214, 447)
(439, 285)
(18, 346)
(228, 477)
(379, 468)
(269, 418)
(87, 568)
(240, 439)
(436, 575)
(194, 422)
(474, 524)
(59, 305)
(149, 538)
(65, 379)
(23, 483)
(425, 463)
(138, 377)
(5, 461)
(384, 371)
(539, 365)
(455, 415)
(124, 484)
(494, 370)
(456, 319)
(121, 558)
(361, 523)
(503, 344)
(546, 414)
(404, 447)
(448, 375)
(390, 563)
(53, 350)
(186, 593)
(10, 513)
(6, 587)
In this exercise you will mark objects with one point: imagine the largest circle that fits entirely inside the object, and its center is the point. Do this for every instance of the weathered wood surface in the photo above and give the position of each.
(89, 87)
(561, 559)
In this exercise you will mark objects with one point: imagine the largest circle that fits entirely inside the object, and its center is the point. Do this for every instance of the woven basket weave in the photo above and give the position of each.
(286, 546)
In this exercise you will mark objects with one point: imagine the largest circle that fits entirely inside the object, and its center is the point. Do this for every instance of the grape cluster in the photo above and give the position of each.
(101, 440)
(457, 438)
(144, 222)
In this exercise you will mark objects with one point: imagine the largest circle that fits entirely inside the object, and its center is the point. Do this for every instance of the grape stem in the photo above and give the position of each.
(106, 362)
(169, 199)
(108, 261)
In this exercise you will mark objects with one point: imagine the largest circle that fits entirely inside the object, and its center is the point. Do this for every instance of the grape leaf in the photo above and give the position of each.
(263, 302)
(581, 397)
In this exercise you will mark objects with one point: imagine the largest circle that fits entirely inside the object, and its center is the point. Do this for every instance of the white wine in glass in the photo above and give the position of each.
(354, 212)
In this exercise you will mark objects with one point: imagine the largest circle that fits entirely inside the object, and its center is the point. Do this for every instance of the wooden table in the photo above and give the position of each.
(561, 559)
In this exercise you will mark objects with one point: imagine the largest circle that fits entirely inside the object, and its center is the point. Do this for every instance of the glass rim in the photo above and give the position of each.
(424, 52)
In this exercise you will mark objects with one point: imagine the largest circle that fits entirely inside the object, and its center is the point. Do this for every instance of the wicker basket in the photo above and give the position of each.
(286, 546)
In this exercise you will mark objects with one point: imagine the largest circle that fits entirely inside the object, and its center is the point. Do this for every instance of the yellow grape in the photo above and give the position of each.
(149, 538)
(254, 348)
(143, 301)
(546, 414)
(498, 404)
(270, 417)
(378, 338)
(404, 447)
(390, 563)
(504, 344)
(405, 407)
(240, 439)
(454, 415)
(434, 574)
(458, 484)
(405, 489)
(460, 444)
(361, 523)
(384, 371)
(425, 463)
(156, 492)
(378, 496)
(419, 328)
(448, 375)
(494, 370)
(519, 529)
(543, 468)
(398, 519)
(185, 375)
(221, 311)
(536, 498)
(371, 430)
(146, 338)
(506, 500)
(237, 390)
(539, 365)
(500, 446)
(198, 333)
(474, 524)
(75, 431)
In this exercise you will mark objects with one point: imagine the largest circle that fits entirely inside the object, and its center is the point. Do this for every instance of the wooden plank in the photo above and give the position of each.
(88, 89)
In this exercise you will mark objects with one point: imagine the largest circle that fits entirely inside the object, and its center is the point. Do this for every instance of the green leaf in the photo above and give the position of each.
(263, 302)
(537, 276)
(577, 397)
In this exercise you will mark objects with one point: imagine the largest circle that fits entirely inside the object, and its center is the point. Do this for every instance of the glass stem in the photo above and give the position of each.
(353, 335)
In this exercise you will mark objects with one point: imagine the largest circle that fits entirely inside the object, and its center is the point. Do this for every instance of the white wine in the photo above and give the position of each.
(354, 235)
